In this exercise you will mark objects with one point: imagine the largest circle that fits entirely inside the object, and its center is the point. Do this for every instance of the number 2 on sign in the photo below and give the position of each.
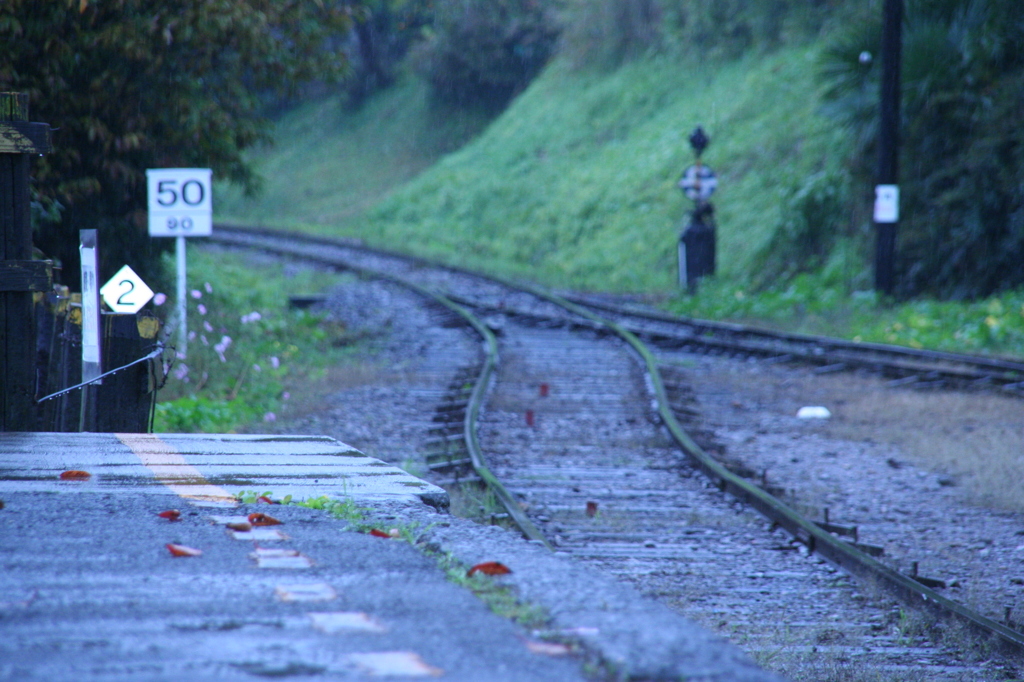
(185, 223)
(121, 300)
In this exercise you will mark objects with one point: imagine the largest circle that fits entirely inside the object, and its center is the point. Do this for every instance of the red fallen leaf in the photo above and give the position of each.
(258, 519)
(548, 648)
(489, 568)
(240, 527)
(263, 499)
(378, 533)
(75, 475)
(170, 514)
(182, 550)
(591, 509)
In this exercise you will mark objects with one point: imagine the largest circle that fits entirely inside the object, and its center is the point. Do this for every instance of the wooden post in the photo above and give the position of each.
(19, 274)
(125, 400)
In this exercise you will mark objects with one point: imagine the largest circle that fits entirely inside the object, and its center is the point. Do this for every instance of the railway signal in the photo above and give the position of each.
(697, 241)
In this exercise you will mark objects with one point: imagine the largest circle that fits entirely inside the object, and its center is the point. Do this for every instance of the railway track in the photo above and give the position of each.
(918, 368)
(571, 437)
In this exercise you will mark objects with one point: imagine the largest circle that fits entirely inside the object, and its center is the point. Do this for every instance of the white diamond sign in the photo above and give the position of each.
(126, 292)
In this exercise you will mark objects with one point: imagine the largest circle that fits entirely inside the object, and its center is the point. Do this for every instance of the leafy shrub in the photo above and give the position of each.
(605, 33)
(193, 414)
(730, 27)
(383, 32)
(813, 219)
(486, 51)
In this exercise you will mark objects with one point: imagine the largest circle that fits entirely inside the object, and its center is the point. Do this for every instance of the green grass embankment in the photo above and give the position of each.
(574, 186)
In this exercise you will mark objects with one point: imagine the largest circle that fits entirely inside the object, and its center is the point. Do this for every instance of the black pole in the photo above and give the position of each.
(888, 138)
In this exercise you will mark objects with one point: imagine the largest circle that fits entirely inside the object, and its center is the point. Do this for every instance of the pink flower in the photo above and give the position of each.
(201, 308)
(160, 299)
(274, 362)
(286, 395)
(257, 368)
(196, 293)
(209, 289)
(207, 326)
(251, 317)
(270, 417)
(225, 341)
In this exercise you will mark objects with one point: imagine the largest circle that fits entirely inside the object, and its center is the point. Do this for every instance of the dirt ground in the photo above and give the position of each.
(974, 438)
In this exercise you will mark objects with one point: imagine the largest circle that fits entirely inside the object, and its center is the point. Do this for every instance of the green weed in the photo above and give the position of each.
(245, 348)
(820, 303)
(501, 599)
(346, 509)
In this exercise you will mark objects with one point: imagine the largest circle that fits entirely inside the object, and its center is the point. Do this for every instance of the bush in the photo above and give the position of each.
(486, 51)
(813, 219)
(245, 349)
(730, 27)
(606, 33)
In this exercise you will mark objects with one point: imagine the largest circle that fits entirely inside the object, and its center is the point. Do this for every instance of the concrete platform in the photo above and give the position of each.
(89, 590)
(206, 467)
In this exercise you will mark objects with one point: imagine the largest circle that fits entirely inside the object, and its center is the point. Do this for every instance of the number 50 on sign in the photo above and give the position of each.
(180, 202)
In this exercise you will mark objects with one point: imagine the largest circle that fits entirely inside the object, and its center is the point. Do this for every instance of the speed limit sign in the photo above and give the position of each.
(180, 202)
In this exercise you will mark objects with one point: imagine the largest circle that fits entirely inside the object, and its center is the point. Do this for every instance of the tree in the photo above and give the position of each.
(136, 84)
(383, 32)
(962, 152)
(487, 51)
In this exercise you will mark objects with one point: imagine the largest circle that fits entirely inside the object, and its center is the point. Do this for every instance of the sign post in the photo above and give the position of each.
(180, 206)
(92, 366)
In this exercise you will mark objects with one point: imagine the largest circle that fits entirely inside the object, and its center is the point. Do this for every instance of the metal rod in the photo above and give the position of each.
(182, 301)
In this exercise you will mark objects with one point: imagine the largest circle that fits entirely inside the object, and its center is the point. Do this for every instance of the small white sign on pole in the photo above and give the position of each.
(126, 292)
(180, 205)
(887, 203)
(91, 367)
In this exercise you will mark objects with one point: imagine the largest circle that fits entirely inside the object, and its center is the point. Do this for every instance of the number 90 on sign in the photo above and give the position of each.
(180, 202)
(183, 224)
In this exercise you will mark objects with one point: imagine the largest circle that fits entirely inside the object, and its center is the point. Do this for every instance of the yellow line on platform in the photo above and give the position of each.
(170, 468)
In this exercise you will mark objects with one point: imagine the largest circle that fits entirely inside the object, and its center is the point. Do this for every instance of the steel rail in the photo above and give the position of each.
(1013, 370)
(478, 395)
(825, 342)
(809, 533)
